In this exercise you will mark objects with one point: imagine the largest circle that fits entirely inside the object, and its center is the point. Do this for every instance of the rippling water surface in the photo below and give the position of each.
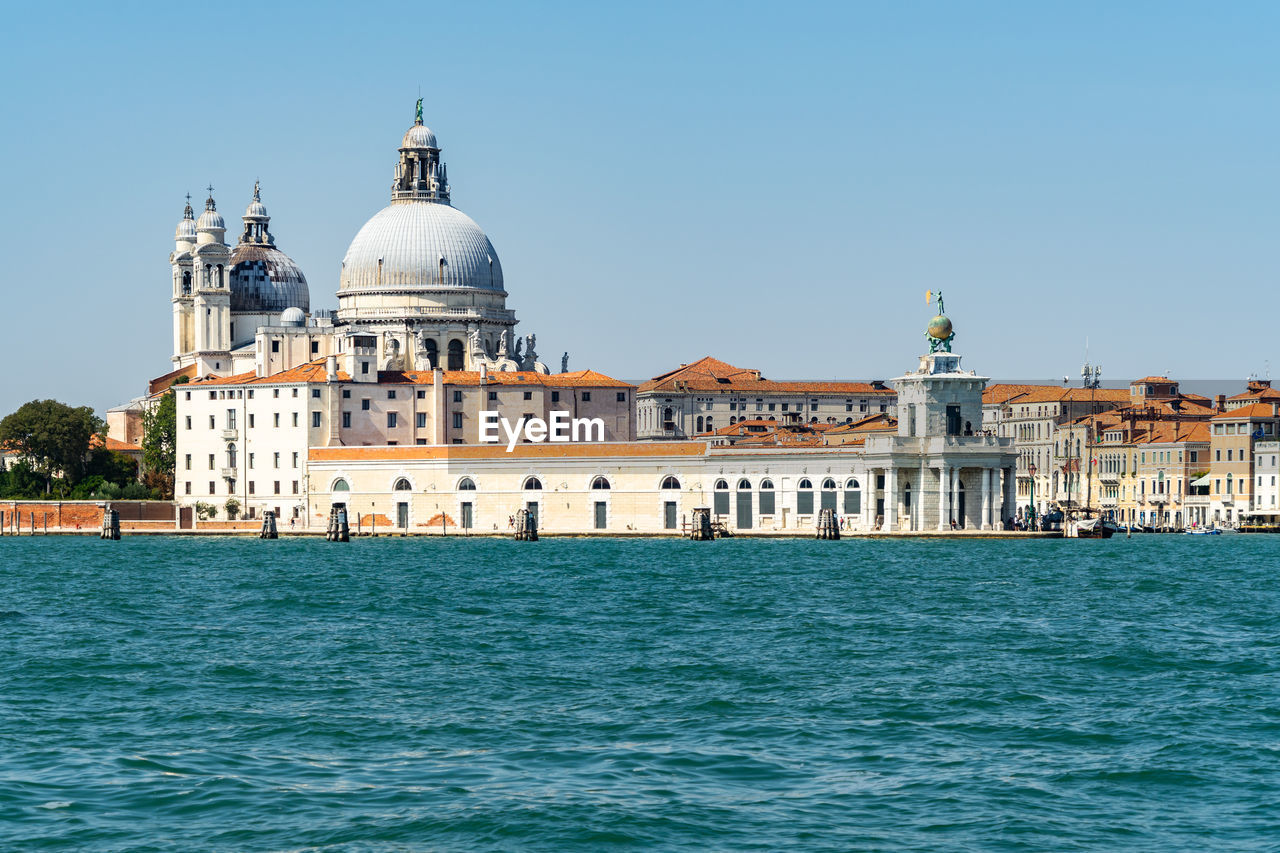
(230, 694)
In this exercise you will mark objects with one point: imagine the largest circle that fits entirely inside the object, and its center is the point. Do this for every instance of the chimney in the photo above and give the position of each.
(331, 369)
(1220, 402)
(484, 373)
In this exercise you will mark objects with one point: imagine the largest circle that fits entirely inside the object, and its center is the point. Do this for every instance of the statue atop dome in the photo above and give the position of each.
(940, 332)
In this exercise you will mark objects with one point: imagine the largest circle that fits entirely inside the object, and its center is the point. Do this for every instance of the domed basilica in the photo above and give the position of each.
(421, 285)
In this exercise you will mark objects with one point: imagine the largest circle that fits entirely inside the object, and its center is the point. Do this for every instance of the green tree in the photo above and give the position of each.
(160, 442)
(53, 437)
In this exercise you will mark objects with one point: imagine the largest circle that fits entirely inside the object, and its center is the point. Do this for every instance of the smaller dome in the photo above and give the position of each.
(186, 230)
(419, 136)
(293, 317)
(940, 327)
(255, 210)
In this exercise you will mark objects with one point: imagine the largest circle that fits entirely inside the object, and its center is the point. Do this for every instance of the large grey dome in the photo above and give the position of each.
(266, 280)
(420, 244)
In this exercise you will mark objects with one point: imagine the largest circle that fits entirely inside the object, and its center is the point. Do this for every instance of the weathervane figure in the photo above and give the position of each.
(418, 116)
(940, 333)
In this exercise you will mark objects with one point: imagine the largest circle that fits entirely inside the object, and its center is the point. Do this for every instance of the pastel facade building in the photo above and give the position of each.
(710, 394)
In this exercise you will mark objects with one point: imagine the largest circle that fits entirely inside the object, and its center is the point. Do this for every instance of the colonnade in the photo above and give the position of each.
(996, 487)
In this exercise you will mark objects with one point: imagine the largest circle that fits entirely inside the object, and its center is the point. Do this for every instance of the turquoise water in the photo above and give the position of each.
(390, 695)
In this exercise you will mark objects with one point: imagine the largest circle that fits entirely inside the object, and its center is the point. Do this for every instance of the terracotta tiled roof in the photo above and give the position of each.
(1161, 379)
(162, 383)
(1253, 410)
(1002, 392)
(573, 379)
(710, 375)
(1168, 432)
(114, 444)
(872, 423)
(1260, 395)
(314, 371)
(544, 450)
(1051, 394)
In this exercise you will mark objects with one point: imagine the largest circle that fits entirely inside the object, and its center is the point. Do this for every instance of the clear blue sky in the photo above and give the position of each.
(774, 184)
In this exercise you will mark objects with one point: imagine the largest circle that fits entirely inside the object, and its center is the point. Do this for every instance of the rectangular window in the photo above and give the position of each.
(364, 368)
(315, 347)
(622, 398)
(422, 395)
(250, 393)
(1217, 454)
(275, 346)
(555, 396)
(295, 459)
(457, 420)
(346, 393)
(188, 461)
(391, 394)
(210, 461)
(315, 393)
(420, 420)
(295, 418)
(528, 395)
(188, 485)
(364, 404)
(211, 486)
(277, 487)
(275, 459)
(586, 396)
(315, 420)
(391, 420)
(1228, 454)
(252, 490)
(295, 392)
(346, 420)
(493, 395)
(212, 422)
(784, 406)
(251, 460)
(420, 441)
(772, 406)
(188, 395)
(275, 420)
(250, 421)
(295, 487)
(275, 393)
(457, 396)
(188, 421)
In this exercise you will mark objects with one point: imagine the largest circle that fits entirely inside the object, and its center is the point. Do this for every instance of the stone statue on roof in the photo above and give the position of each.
(564, 363)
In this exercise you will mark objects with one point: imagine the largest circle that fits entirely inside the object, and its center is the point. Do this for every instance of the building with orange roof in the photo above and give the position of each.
(247, 436)
(926, 471)
(709, 394)
(1235, 432)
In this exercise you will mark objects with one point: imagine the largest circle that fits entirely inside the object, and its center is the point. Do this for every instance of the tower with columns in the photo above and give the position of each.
(201, 263)
(940, 470)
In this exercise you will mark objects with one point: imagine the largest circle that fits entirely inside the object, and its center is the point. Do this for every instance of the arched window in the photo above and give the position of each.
(668, 416)
(186, 282)
(456, 360)
(829, 494)
(852, 497)
(533, 483)
(732, 421)
(231, 455)
(721, 498)
(467, 485)
(744, 485)
(766, 497)
(340, 485)
(221, 280)
(699, 424)
(433, 353)
(599, 483)
(710, 427)
(804, 497)
(402, 485)
(670, 483)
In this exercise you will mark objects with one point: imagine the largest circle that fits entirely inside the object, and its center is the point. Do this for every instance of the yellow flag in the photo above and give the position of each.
(928, 297)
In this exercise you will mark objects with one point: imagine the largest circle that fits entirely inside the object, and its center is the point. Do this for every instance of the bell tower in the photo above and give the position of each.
(183, 297)
(211, 268)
